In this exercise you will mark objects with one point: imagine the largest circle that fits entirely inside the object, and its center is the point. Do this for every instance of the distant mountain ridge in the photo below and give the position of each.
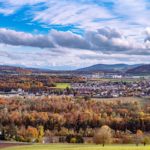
(109, 67)
(143, 69)
(12, 69)
(106, 68)
(20, 70)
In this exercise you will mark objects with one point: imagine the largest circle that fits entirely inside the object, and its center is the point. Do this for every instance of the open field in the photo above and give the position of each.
(78, 147)
(62, 85)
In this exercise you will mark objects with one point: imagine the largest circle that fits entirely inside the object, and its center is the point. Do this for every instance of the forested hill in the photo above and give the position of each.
(143, 69)
(108, 67)
(12, 69)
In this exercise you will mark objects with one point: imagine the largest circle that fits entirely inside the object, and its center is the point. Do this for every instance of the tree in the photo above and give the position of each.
(146, 140)
(87, 97)
(11, 131)
(103, 135)
(41, 132)
(49, 135)
(32, 133)
(2, 132)
(139, 136)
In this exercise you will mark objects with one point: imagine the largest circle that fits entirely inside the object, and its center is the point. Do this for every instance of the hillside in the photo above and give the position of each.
(4, 69)
(131, 69)
(14, 70)
(108, 67)
(143, 69)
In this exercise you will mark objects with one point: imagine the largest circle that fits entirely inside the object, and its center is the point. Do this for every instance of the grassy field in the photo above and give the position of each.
(78, 147)
(62, 85)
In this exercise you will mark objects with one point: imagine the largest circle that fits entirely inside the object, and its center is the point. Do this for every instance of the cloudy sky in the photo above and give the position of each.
(69, 34)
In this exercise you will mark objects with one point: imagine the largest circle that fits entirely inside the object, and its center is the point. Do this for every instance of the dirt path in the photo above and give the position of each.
(9, 144)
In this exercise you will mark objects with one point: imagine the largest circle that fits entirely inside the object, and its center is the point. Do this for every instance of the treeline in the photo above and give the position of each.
(21, 118)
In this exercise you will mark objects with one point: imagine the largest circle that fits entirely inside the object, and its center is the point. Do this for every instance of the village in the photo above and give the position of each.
(92, 89)
(113, 89)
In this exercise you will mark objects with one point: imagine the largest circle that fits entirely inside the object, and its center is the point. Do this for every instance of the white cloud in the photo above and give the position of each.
(69, 40)
(121, 41)
(12, 55)
(24, 2)
(6, 11)
(105, 40)
(13, 37)
(133, 11)
(9, 7)
(128, 15)
(103, 46)
(70, 12)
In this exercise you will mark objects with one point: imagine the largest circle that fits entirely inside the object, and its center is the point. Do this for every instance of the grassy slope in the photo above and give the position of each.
(78, 147)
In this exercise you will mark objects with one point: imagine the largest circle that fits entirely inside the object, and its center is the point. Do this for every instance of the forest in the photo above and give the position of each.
(67, 118)
(34, 83)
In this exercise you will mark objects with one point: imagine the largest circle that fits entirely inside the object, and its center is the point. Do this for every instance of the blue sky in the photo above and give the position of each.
(69, 34)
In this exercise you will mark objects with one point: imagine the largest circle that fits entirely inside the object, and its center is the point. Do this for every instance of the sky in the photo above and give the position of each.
(70, 34)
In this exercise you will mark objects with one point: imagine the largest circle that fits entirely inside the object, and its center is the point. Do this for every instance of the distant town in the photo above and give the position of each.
(94, 84)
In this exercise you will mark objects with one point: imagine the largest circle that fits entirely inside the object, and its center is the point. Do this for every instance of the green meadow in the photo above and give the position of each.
(78, 147)
(62, 85)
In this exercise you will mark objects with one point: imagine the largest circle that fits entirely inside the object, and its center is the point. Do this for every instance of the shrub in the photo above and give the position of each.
(73, 140)
(78, 138)
(146, 140)
(127, 139)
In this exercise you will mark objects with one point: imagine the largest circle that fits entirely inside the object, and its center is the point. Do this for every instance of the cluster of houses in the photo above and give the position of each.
(113, 89)
(101, 75)
(95, 89)
(21, 92)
